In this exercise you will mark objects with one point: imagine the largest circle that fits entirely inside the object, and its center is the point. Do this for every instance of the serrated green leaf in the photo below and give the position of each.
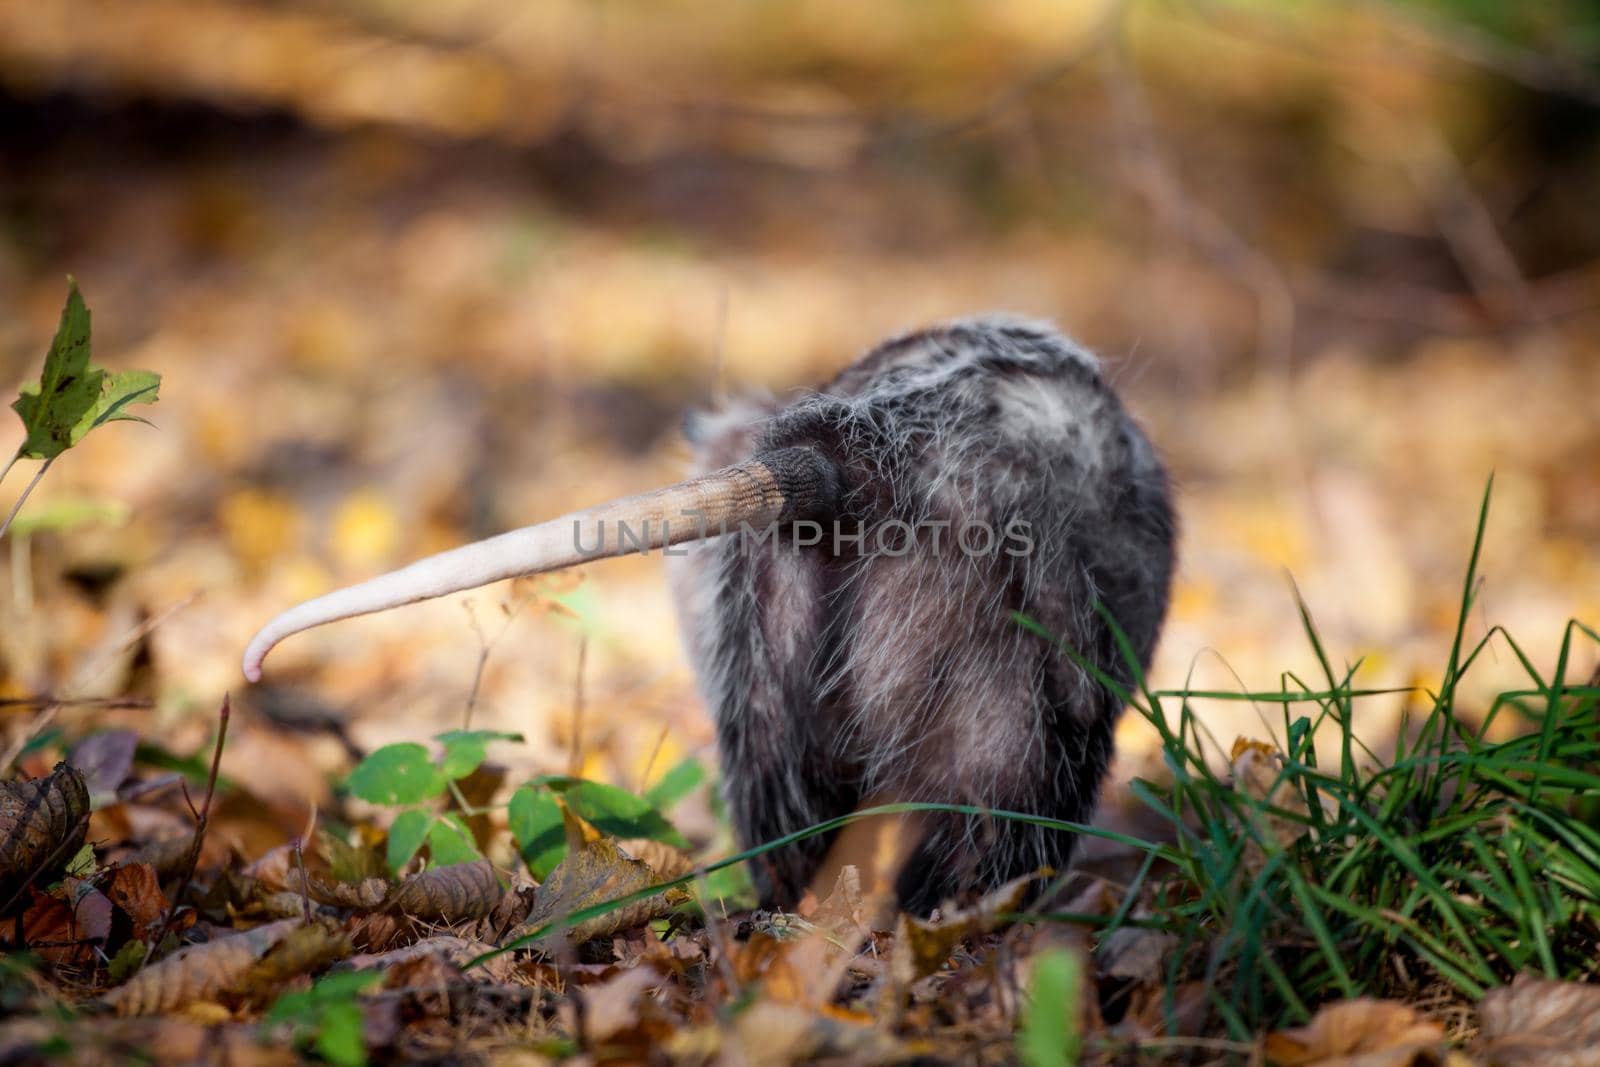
(67, 389)
(72, 395)
(450, 842)
(406, 834)
(465, 750)
(684, 778)
(397, 774)
(535, 819)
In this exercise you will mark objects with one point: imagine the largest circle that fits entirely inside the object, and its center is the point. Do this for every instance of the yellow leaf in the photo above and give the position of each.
(366, 531)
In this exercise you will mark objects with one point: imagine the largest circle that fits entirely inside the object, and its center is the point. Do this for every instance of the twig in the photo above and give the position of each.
(485, 647)
(4, 526)
(201, 818)
(12, 462)
(305, 883)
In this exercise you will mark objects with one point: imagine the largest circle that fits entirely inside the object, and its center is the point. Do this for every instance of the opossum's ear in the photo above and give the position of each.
(775, 487)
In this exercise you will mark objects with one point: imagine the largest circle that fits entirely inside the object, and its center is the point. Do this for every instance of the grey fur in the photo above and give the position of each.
(843, 678)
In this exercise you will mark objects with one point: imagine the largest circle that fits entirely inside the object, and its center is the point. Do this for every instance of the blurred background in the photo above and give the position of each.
(418, 273)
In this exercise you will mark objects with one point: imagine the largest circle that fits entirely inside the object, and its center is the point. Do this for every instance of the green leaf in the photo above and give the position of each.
(339, 1037)
(397, 774)
(464, 750)
(684, 778)
(127, 961)
(329, 1013)
(406, 834)
(67, 390)
(1050, 1036)
(120, 390)
(83, 864)
(450, 842)
(72, 396)
(621, 814)
(536, 827)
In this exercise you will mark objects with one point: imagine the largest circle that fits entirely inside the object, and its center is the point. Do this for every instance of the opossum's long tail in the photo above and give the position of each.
(778, 486)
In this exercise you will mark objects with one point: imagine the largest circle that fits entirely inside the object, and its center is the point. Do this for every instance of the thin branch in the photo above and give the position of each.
(201, 820)
(305, 883)
(4, 526)
(12, 462)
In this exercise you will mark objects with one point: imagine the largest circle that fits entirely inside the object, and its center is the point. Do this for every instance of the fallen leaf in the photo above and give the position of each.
(197, 972)
(596, 871)
(612, 1006)
(69, 925)
(135, 889)
(458, 951)
(1537, 1021)
(921, 947)
(307, 948)
(1258, 774)
(43, 823)
(106, 760)
(457, 893)
(1359, 1033)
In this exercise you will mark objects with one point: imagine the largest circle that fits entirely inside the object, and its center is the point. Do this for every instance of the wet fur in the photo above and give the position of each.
(841, 679)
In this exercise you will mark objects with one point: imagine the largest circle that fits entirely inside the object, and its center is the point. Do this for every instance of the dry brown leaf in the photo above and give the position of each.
(42, 825)
(171, 1039)
(664, 859)
(771, 1034)
(1360, 1033)
(1540, 1021)
(1136, 954)
(106, 759)
(1257, 769)
(67, 928)
(369, 894)
(307, 948)
(921, 947)
(458, 893)
(458, 951)
(197, 972)
(595, 871)
(136, 890)
(612, 1006)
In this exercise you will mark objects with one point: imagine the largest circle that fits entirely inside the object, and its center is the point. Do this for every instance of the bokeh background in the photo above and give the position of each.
(418, 273)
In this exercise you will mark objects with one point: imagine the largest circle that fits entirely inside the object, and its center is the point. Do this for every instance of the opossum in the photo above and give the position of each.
(862, 558)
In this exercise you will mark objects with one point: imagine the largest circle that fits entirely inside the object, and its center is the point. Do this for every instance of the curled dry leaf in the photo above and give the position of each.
(921, 947)
(595, 871)
(369, 894)
(42, 825)
(198, 972)
(1537, 1021)
(664, 859)
(136, 890)
(307, 948)
(1360, 1033)
(457, 893)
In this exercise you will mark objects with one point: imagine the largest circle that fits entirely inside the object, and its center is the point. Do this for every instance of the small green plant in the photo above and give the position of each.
(404, 775)
(1456, 864)
(1050, 1035)
(72, 397)
(327, 1017)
